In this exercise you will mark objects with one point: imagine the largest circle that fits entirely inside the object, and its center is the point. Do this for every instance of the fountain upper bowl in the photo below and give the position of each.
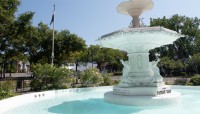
(139, 39)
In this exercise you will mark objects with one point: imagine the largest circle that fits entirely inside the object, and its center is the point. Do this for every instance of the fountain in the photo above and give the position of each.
(141, 83)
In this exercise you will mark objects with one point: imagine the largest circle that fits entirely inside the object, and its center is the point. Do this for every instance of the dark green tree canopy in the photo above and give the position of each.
(185, 49)
(7, 11)
(185, 46)
(106, 57)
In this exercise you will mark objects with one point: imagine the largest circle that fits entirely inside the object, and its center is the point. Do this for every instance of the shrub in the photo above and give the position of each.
(116, 82)
(91, 77)
(36, 85)
(195, 81)
(47, 77)
(6, 89)
(107, 80)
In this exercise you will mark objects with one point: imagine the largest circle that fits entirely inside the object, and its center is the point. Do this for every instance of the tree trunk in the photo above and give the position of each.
(10, 67)
(98, 66)
(2, 70)
(17, 67)
(76, 65)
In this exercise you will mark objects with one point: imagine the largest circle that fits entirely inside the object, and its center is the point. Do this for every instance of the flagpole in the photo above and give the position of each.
(52, 54)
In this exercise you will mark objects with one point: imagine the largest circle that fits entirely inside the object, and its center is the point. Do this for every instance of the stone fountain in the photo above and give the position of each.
(141, 83)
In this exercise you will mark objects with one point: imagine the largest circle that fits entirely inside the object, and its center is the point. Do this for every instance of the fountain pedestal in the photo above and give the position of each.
(141, 84)
(140, 100)
(141, 81)
(140, 77)
(139, 72)
(144, 91)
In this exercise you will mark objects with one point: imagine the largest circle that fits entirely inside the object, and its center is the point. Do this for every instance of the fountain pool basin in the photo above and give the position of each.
(90, 101)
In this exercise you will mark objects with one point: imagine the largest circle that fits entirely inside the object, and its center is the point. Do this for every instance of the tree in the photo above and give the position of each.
(40, 46)
(77, 57)
(25, 37)
(66, 44)
(106, 57)
(170, 66)
(9, 32)
(37, 44)
(184, 47)
(193, 63)
(7, 11)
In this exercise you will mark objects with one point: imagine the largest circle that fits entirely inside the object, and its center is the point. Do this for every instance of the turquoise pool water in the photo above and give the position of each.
(90, 101)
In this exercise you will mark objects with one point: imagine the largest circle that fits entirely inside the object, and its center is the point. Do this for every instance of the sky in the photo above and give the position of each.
(90, 19)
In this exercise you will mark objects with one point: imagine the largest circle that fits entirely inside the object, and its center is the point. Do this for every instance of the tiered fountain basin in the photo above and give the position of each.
(139, 39)
(141, 83)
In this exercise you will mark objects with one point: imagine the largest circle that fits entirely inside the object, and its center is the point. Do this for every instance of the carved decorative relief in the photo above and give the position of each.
(139, 62)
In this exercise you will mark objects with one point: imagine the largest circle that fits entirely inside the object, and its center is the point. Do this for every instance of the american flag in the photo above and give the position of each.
(52, 19)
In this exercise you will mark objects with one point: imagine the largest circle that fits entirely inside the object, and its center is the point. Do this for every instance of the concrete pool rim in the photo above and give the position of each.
(13, 102)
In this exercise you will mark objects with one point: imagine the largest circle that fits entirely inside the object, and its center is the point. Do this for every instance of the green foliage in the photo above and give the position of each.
(106, 56)
(195, 81)
(193, 63)
(185, 46)
(47, 77)
(91, 77)
(187, 25)
(66, 44)
(6, 89)
(172, 67)
(170, 63)
(107, 80)
(8, 9)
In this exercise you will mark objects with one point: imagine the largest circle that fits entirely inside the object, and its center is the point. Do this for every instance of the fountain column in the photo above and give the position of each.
(139, 64)
(135, 22)
(139, 72)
